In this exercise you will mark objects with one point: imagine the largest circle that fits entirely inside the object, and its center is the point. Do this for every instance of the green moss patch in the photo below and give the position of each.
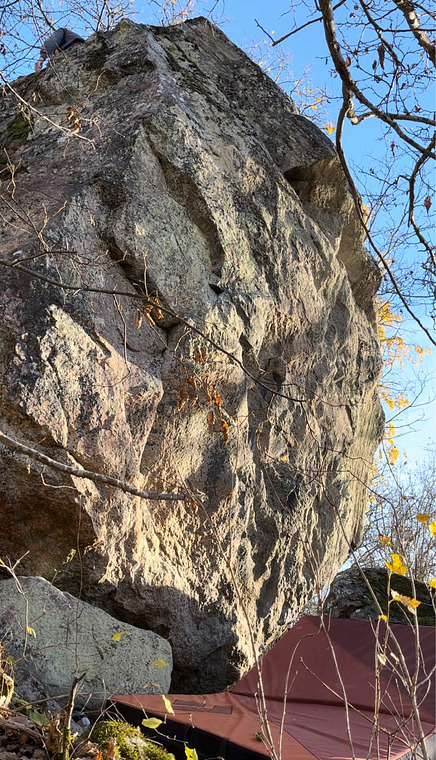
(129, 742)
(17, 132)
(19, 127)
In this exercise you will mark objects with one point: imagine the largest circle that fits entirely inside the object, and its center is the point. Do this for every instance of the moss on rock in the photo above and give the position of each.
(130, 742)
(19, 127)
(15, 134)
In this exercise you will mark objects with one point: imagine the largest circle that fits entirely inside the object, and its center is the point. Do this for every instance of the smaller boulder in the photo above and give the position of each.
(55, 637)
(350, 597)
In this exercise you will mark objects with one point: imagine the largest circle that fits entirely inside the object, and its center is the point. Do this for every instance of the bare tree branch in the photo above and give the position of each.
(408, 11)
(380, 35)
(87, 474)
(350, 86)
(358, 205)
(430, 250)
(299, 28)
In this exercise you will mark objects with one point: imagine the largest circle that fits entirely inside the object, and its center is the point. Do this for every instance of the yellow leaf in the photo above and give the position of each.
(391, 432)
(384, 540)
(118, 636)
(151, 722)
(432, 528)
(168, 705)
(411, 604)
(191, 754)
(329, 128)
(396, 566)
(382, 658)
(160, 663)
(383, 617)
(423, 517)
(392, 455)
(432, 583)
(70, 556)
(30, 631)
(366, 212)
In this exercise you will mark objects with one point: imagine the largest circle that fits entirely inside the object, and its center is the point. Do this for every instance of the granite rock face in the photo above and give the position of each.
(162, 162)
(55, 637)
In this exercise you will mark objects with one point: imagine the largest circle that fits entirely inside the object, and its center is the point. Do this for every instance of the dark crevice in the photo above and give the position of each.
(132, 269)
(216, 288)
(167, 321)
(112, 192)
(139, 278)
(298, 179)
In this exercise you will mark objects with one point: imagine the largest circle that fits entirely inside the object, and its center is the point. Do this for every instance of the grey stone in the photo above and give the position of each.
(350, 597)
(55, 638)
(192, 178)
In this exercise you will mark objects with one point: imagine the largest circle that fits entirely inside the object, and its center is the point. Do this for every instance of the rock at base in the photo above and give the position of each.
(56, 637)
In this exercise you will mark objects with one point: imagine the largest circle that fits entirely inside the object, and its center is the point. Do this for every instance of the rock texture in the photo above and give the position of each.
(349, 596)
(190, 178)
(55, 637)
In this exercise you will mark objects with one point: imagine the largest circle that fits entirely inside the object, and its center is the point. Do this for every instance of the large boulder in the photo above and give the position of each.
(162, 162)
(56, 638)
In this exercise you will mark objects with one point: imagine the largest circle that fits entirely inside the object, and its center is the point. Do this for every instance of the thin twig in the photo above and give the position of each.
(303, 26)
(68, 132)
(66, 730)
(408, 11)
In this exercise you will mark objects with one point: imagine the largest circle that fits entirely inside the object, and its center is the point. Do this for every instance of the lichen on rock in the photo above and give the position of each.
(53, 637)
(190, 178)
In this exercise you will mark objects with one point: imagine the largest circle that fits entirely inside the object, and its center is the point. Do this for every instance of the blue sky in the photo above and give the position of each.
(307, 49)
(416, 426)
